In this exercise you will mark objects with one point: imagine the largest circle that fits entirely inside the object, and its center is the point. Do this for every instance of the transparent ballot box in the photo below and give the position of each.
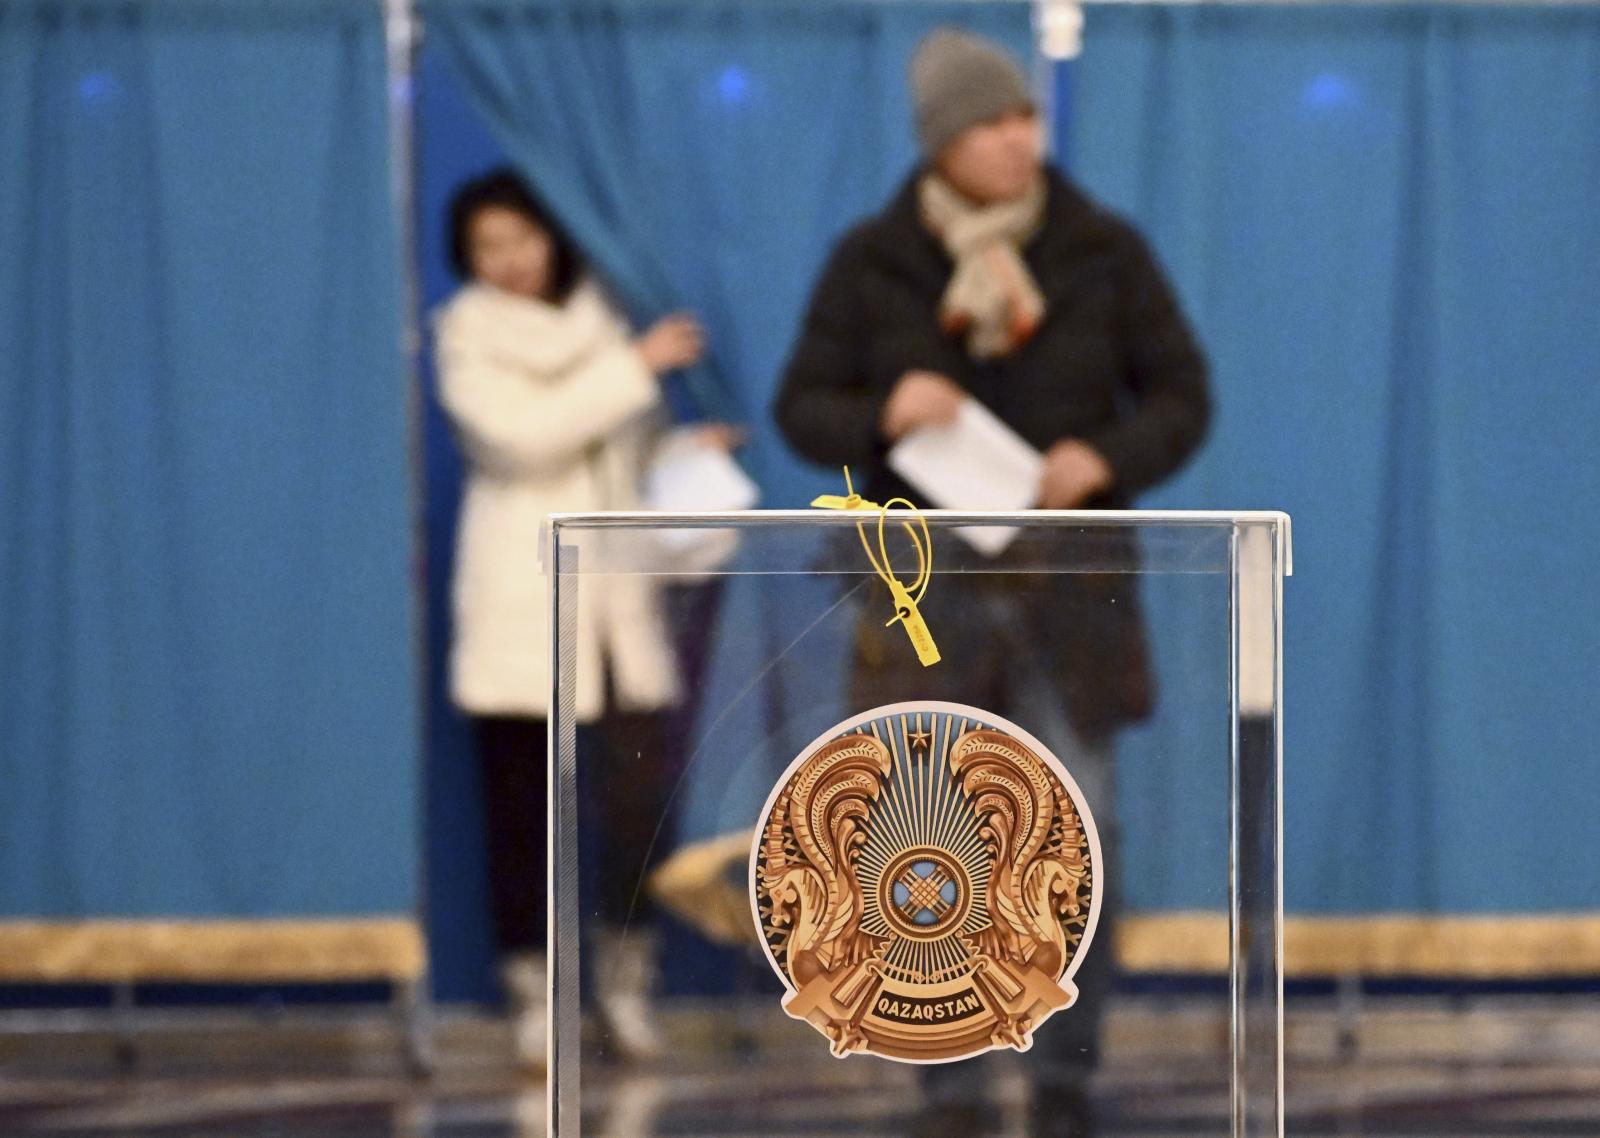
(991, 849)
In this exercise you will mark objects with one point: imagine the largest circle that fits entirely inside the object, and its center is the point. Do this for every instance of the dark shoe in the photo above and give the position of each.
(1061, 1112)
(951, 1120)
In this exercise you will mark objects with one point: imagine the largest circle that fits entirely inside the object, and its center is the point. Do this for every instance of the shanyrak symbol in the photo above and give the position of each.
(925, 881)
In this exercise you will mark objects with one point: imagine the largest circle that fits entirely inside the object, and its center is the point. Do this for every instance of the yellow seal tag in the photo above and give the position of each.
(907, 613)
(905, 598)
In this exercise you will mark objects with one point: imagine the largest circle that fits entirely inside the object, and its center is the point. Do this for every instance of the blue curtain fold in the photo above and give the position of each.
(707, 153)
(704, 154)
(207, 683)
(1379, 219)
(1383, 222)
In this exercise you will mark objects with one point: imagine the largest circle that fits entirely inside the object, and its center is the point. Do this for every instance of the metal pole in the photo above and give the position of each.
(412, 998)
(1058, 39)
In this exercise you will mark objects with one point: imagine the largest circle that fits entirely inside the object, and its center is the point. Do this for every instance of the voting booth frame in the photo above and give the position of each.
(799, 593)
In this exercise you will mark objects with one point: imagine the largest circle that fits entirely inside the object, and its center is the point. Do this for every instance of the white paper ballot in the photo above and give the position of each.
(974, 463)
(687, 475)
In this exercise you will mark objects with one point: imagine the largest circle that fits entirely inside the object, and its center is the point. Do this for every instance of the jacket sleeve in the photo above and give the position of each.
(826, 408)
(515, 423)
(1166, 379)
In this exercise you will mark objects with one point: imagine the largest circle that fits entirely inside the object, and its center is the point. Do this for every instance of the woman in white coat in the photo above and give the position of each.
(554, 403)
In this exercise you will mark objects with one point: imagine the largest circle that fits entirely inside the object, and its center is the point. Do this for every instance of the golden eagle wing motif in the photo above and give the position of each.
(1040, 867)
(811, 843)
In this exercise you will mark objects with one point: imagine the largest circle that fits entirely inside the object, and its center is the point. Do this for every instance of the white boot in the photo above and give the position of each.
(625, 976)
(526, 977)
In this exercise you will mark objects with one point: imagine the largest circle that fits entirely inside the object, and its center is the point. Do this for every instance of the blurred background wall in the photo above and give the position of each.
(1381, 220)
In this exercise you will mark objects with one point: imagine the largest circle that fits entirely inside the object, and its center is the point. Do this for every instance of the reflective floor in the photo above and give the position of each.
(1489, 1067)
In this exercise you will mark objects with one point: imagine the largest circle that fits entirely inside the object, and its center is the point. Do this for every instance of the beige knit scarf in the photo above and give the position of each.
(992, 297)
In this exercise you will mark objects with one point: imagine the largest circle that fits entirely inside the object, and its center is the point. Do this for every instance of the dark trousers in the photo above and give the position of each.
(993, 661)
(627, 768)
(512, 754)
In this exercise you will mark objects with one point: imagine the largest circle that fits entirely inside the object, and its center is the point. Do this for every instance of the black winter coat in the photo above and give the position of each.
(1114, 364)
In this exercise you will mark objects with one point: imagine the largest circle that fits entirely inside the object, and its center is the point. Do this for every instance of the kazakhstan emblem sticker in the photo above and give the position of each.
(925, 881)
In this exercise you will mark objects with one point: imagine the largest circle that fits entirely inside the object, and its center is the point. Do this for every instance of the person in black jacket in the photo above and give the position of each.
(990, 276)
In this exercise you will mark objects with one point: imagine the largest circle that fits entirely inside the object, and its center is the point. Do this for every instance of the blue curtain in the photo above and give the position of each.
(1383, 221)
(1379, 218)
(207, 703)
(706, 153)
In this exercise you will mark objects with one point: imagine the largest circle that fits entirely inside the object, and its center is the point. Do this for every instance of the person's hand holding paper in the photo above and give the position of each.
(1073, 473)
(920, 399)
(975, 462)
(692, 470)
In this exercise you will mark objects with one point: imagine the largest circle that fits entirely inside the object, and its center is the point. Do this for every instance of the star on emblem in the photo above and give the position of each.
(919, 738)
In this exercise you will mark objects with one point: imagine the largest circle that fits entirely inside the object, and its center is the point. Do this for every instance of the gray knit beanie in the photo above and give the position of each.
(959, 80)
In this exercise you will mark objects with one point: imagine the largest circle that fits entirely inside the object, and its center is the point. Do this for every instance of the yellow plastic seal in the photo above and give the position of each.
(906, 597)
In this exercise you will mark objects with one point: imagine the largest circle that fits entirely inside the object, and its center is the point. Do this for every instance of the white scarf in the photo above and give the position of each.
(992, 297)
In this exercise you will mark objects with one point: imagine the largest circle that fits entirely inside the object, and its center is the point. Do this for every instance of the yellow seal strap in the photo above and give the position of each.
(905, 597)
